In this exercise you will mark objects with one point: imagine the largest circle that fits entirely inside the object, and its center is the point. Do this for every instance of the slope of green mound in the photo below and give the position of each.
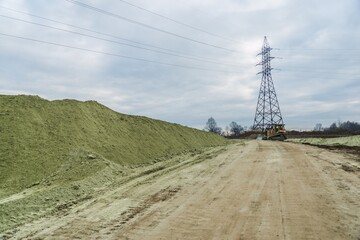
(41, 138)
(351, 141)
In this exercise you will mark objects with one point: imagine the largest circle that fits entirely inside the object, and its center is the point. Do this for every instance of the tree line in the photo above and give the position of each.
(234, 129)
(338, 126)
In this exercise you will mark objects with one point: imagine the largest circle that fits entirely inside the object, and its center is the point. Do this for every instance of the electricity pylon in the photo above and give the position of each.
(267, 111)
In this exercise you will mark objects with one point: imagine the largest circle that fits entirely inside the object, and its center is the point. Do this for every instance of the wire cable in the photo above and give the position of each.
(120, 43)
(297, 70)
(177, 22)
(320, 49)
(116, 55)
(146, 25)
(104, 34)
(86, 29)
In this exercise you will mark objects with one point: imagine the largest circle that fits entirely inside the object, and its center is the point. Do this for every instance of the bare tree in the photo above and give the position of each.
(211, 126)
(318, 127)
(333, 126)
(235, 129)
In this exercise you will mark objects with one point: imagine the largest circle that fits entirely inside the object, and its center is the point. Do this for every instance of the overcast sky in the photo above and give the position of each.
(317, 42)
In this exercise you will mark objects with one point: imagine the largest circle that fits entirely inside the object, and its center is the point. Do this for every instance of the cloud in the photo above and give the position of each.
(318, 81)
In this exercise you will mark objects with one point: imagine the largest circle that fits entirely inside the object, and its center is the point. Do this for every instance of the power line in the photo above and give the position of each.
(322, 58)
(102, 33)
(86, 29)
(322, 53)
(176, 21)
(297, 70)
(319, 49)
(323, 68)
(115, 55)
(291, 76)
(146, 25)
(120, 43)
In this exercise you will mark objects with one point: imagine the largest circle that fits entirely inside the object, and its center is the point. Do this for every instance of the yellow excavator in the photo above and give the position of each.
(275, 132)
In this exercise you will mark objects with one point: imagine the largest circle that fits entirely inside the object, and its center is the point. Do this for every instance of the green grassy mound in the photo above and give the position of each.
(59, 142)
(351, 141)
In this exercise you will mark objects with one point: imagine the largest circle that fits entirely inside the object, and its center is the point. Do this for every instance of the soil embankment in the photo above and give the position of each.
(57, 154)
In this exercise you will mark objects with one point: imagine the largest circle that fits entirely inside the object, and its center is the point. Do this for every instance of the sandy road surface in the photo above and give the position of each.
(257, 190)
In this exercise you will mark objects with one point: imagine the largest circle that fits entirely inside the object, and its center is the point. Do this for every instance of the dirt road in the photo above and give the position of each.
(252, 190)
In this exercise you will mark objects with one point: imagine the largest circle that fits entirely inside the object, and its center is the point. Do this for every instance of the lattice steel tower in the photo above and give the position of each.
(267, 110)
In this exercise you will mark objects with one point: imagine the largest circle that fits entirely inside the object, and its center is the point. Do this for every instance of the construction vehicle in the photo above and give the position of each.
(275, 132)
